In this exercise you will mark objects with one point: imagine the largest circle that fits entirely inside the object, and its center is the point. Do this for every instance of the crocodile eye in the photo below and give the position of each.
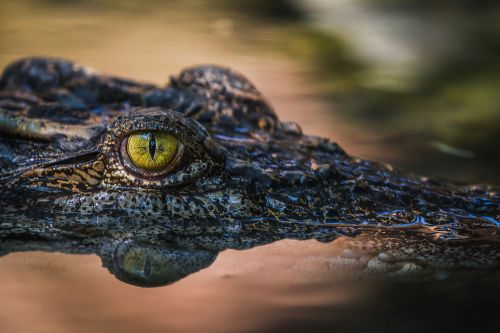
(151, 153)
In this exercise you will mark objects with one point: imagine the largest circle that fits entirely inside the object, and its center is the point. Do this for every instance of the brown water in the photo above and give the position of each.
(286, 286)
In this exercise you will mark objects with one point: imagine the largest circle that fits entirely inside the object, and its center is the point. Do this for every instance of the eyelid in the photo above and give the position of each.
(174, 123)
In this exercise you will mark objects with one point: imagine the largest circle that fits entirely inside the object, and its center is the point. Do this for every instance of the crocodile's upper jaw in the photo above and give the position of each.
(63, 126)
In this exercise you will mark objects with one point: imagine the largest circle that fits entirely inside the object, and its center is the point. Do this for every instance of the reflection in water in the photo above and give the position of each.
(152, 265)
(414, 253)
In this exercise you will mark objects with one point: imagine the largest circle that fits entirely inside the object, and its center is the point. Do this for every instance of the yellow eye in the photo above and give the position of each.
(151, 150)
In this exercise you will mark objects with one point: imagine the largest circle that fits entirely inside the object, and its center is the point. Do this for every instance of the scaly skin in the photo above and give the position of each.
(246, 179)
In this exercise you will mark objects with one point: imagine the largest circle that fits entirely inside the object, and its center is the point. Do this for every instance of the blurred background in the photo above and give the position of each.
(409, 82)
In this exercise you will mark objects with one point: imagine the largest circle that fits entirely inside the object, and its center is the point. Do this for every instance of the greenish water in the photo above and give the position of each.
(432, 108)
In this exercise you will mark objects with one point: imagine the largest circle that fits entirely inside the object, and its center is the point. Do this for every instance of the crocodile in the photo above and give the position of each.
(158, 180)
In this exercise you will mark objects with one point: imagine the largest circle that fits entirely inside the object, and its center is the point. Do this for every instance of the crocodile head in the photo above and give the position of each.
(203, 163)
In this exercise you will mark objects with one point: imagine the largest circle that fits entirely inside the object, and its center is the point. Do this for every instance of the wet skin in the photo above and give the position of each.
(237, 177)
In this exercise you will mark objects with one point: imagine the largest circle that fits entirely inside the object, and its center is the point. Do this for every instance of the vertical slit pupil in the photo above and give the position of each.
(152, 146)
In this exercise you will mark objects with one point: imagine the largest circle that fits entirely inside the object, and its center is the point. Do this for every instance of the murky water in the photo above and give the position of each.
(290, 286)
